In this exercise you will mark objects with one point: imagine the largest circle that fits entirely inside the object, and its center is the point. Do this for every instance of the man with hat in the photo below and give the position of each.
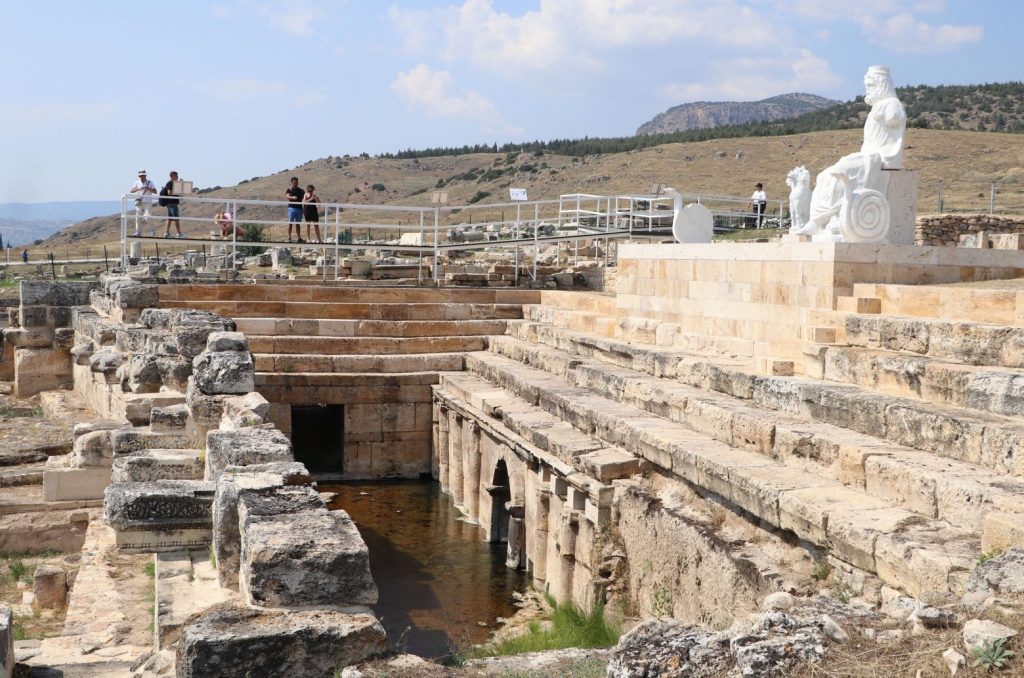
(144, 190)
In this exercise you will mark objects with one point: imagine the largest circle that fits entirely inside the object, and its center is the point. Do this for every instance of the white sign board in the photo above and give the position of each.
(181, 188)
(517, 194)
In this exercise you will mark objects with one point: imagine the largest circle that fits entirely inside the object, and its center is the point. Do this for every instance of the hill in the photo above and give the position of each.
(709, 114)
(954, 166)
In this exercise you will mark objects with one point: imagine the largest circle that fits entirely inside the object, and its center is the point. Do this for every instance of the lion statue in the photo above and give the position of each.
(799, 182)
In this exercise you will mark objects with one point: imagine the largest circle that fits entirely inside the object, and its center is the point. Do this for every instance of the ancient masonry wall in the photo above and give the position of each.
(946, 229)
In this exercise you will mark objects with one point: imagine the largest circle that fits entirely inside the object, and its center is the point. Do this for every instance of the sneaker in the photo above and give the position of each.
(167, 235)
(300, 240)
(136, 234)
(181, 235)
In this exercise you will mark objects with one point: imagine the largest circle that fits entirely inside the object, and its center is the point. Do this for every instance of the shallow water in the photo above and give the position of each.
(437, 578)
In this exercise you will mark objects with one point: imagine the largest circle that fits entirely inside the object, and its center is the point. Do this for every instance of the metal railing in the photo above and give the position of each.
(435, 230)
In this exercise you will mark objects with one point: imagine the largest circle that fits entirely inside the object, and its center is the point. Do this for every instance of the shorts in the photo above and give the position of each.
(311, 214)
(295, 215)
(172, 210)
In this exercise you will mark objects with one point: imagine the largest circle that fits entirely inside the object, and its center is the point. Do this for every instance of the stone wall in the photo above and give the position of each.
(946, 229)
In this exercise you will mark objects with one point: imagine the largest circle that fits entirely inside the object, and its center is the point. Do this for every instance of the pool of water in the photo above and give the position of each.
(437, 578)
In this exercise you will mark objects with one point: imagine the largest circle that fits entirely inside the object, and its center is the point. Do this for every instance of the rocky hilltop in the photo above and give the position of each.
(708, 114)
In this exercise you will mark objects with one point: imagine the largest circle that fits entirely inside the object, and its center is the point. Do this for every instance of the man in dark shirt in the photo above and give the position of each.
(294, 196)
(167, 199)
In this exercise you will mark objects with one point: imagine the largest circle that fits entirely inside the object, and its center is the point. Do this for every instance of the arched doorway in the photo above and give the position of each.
(501, 493)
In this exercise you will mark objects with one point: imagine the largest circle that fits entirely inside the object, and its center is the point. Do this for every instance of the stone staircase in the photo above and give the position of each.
(904, 462)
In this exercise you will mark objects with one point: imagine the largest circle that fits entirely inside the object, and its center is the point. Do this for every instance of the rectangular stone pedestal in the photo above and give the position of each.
(62, 483)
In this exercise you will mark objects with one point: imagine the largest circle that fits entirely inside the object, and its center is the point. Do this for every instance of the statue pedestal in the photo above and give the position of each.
(902, 197)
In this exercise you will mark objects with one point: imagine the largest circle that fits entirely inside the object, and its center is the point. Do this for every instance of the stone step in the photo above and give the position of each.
(986, 389)
(594, 302)
(992, 441)
(858, 305)
(315, 362)
(147, 465)
(370, 294)
(186, 583)
(364, 345)
(352, 311)
(950, 302)
(368, 328)
(904, 549)
(969, 343)
(962, 494)
(129, 440)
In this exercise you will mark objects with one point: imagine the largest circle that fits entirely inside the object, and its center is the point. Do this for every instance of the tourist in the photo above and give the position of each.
(310, 211)
(24, 256)
(294, 195)
(144, 190)
(227, 225)
(168, 200)
(758, 202)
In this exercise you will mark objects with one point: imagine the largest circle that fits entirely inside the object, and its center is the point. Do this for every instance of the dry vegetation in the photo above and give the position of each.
(16, 572)
(964, 162)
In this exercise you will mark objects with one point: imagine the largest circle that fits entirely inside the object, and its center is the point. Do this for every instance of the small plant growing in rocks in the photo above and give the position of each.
(992, 654)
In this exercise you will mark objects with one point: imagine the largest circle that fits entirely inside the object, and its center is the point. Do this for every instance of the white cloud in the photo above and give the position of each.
(573, 33)
(294, 17)
(748, 79)
(310, 97)
(432, 91)
(14, 116)
(903, 33)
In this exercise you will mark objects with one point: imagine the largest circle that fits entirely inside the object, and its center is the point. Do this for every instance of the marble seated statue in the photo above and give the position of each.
(849, 202)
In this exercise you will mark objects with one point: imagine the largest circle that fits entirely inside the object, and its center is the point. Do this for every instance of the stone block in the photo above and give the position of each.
(311, 557)
(51, 293)
(231, 641)
(137, 296)
(34, 337)
(161, 515)
(245, 446)
(6, 642)
(226, 341)
(93, 448)
(1001, 531)
(224, 372)
(168, 419)
(50, 587)
(150, 465)
(64, 483)
(41, 369)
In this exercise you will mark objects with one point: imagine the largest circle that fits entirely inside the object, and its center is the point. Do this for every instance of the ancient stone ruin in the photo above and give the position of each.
(825, 436)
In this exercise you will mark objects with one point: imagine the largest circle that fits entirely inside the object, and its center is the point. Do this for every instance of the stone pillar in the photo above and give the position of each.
(516, 536)
(455, 457)
(441, 448)
(540, 535)
(471, 469)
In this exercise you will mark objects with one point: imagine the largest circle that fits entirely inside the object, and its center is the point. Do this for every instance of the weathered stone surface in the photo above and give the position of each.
(312, 557)
(977, 632)
(159, 505)
(226, 341)
(93, 449)
(229, 372)
(141, 373)
(106, 361)
(174, 372)
(1003, 574)
(230, 641)
(670, 649)
(51, 293)
(50, 587)
(151, 465)
(6, 642)
(137, 296)
(133, 439)
(244, 446)
(242, 411)
(170, 418)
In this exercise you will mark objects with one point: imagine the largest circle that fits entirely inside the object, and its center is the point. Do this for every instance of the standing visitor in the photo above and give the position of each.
(294, 195)
(758, 202)
(171, 203)
(24, 256)
(310, 211)
(144, 190)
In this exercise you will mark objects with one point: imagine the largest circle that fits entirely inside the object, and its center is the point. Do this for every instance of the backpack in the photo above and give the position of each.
(162, 201)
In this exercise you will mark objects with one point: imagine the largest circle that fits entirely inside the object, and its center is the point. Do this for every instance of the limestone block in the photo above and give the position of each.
(137, 296)
(226, 341)
(64, 483)
(224, 372)
(1001, 531)
(50, 587)
(978, 632)
(134, 439)
(6, 642)
(902, 198)
(174, 372)
(41, 369)
(53, 293)
(169, 418)
(160, 515)
(140, 373)
(608, 464)
(150, 465)
(29, 338)
(231, 641)
(251, 409)
(927, 557)
(93, 449)
(245, 446)
(311, 557)
(82, 352)
(106, 361)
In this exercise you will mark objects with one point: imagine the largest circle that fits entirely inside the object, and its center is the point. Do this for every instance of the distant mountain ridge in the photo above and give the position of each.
(711, 114)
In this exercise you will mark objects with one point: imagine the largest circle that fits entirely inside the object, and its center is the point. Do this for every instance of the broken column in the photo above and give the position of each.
(50, 587)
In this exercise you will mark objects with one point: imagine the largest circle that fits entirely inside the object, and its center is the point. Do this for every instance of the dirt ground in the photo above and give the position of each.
(16, 572)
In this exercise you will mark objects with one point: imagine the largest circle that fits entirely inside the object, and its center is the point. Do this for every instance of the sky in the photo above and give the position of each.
(227, 90)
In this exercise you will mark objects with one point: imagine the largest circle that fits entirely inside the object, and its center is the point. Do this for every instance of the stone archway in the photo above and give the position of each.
(507, 517)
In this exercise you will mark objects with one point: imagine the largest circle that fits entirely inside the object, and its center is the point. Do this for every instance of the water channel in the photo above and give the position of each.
(437, 578)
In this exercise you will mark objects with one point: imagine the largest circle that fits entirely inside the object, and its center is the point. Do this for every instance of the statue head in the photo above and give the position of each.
(878, 84)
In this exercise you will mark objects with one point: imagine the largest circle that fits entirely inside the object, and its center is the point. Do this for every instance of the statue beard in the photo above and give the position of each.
(879, 91)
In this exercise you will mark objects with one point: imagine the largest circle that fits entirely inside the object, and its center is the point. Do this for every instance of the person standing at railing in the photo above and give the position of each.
(311, 212)
(144, 190)
(168, 200)
(758, 202)
(294, 196)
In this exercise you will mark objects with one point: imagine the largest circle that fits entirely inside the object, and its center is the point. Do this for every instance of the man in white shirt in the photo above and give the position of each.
(758, 202)
(144, 191)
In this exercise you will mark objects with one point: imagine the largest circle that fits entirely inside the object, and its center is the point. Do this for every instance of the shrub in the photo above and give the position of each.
(570, 627)
(252, 233)
(378, 187)
(478, 196)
